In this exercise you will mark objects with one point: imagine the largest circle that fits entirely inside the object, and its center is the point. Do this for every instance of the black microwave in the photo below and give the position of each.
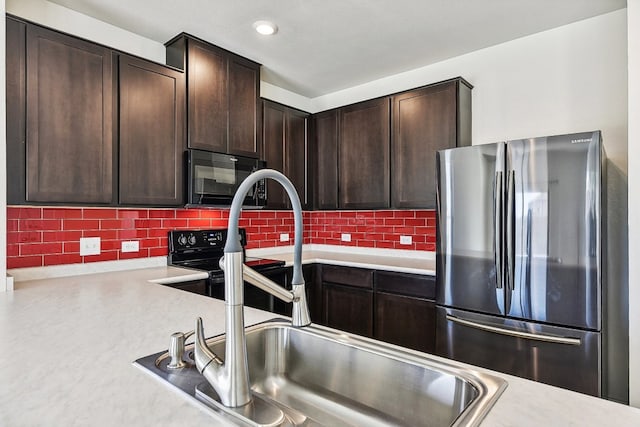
(213, 178)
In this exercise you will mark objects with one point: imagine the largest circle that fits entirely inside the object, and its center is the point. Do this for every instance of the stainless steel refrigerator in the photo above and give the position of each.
(519, 261)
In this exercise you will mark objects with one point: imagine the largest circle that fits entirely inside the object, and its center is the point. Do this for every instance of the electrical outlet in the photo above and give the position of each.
(89, 246)
(405, 240)
(284, 237)
(130, 246)
(345, 237)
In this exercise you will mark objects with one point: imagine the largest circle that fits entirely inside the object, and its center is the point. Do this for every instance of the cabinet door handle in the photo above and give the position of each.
(518, 334)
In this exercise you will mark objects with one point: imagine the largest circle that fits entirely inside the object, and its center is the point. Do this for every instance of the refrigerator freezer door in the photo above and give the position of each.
(469, 261)
(568, 358)
(552, 224)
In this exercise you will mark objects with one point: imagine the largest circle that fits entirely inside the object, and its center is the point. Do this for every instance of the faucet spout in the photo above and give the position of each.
(230, 378)
(297, 296)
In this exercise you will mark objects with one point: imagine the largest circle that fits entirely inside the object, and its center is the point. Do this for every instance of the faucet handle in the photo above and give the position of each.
(176, 349)
(202, 353)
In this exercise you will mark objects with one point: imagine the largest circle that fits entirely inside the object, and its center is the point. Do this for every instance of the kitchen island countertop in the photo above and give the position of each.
(69, 344)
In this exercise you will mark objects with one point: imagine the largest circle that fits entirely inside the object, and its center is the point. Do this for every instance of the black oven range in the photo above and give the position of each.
(202, 250)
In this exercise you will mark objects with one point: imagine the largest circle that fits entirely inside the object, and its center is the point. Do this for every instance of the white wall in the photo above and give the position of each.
(286, 97)
(633, 27)
(572, 78)
(69, 21)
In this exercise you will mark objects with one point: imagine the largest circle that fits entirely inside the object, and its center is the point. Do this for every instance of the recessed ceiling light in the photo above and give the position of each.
(266, 28)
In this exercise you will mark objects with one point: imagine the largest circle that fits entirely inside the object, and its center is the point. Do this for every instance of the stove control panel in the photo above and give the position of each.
(194, 240)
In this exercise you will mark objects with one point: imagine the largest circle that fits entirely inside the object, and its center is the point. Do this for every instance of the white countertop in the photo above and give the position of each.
(404, 261)
(68, 345)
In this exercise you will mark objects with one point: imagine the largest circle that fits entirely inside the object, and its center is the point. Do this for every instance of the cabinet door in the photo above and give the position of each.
(296, 153)
(273, 151)
(15, 80)
(348, 309)
(208, 104)
(313, 286)
(281, 276)
(69, 119)
(151, 133)
(285, 150)
(406, 321)
(424, 121)
(364, 155)
(326, 159)
(244, 107)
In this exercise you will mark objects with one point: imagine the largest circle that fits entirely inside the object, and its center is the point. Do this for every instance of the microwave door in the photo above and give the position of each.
(245, 167)
(214, 178)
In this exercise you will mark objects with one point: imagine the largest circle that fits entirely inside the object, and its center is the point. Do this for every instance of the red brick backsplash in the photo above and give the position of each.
(40, 236)
(374, 229)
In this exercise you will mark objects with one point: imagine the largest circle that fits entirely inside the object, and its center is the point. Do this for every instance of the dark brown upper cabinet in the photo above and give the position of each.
(152, 133)
(15, 118)
(364, 155)
(325, 150)
(69, 102)
(424, 121)
(223, 90)
(273, 150)
(285, 149)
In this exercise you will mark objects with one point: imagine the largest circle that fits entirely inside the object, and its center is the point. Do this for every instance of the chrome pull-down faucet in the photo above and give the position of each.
(230, 378)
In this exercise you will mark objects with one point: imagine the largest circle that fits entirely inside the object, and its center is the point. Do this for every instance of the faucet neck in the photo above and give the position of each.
(231, 379)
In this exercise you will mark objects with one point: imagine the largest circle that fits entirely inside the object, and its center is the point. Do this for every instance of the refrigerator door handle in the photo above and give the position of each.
(511, 189)
(518, 334)
(497, 225)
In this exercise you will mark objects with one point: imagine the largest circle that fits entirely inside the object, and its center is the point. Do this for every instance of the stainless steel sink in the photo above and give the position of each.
(320, 376)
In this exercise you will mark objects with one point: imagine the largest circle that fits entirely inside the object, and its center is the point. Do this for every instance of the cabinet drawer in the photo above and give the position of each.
(406, 284)
(348, 276)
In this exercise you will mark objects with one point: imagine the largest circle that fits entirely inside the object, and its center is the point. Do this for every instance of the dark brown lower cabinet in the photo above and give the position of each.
(281, 276)
(349, 309)
(406, 321)
(398, 308)
(313, 284)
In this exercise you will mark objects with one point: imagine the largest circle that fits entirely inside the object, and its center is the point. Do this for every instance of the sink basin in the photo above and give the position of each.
(321, 376)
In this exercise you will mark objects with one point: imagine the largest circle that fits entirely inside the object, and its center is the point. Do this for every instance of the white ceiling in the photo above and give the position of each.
(323, 46)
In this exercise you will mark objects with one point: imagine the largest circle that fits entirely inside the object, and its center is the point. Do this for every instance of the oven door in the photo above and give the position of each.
(213, 179)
